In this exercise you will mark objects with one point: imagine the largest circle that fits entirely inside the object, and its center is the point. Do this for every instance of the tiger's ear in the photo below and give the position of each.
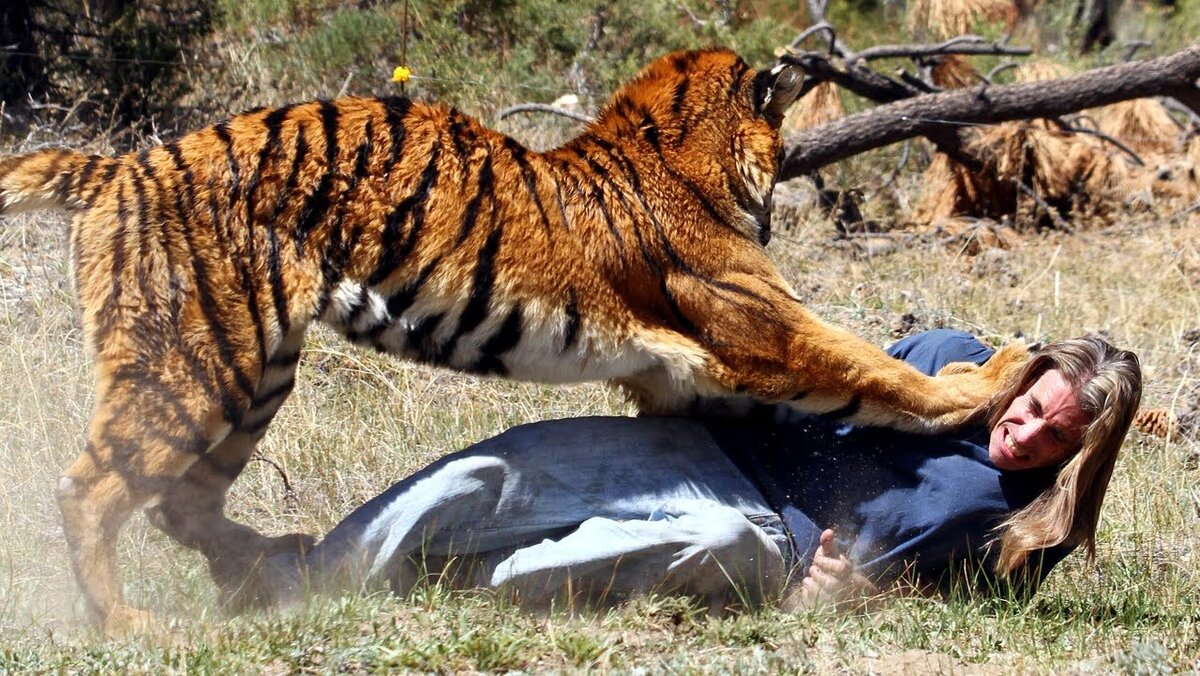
(777, 89)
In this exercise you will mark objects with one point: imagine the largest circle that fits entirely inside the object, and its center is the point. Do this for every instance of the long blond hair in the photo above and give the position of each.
(1108, 386)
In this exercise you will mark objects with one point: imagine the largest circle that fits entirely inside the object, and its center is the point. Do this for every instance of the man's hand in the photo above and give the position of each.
(831, 578)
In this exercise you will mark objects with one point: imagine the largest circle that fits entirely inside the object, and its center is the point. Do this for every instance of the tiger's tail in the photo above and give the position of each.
(49, 179)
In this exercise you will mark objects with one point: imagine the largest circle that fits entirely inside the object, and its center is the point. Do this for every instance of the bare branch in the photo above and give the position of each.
(1065, 126)
(964, 44)
(543, 108)
(1000, 68)
(822, 27)
(1132, 48)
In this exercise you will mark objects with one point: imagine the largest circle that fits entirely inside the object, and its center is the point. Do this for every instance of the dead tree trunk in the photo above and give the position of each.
(937, 116)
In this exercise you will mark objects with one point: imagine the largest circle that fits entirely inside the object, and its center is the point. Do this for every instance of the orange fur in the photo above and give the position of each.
(633, 254)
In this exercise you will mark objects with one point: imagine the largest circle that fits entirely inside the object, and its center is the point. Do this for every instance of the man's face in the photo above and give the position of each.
(1041, 428)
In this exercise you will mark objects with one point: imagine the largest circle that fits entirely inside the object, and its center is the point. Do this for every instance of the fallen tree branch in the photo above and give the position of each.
(936, 116)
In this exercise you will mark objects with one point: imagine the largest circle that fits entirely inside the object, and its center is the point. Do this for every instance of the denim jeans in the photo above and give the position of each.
(586, 508)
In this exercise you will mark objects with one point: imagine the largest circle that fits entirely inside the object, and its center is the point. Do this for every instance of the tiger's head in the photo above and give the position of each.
(713, 121)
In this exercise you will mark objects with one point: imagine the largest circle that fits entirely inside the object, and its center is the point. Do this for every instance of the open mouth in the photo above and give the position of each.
(1010, 449)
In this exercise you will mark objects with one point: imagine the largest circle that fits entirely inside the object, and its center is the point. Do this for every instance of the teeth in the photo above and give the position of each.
(1012, 447)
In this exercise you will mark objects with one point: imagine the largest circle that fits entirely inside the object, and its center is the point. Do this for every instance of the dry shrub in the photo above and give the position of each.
(945, 19)
(954, 71)
(950, 189)
(1142, 124)
(822, 104)
(1071, 173)
(1040, 71)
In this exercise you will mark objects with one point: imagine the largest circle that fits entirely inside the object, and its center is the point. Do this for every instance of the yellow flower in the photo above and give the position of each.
(401, 74)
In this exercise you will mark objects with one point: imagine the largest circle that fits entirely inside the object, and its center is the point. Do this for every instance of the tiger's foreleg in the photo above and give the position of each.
(830, 372)
(760, 341)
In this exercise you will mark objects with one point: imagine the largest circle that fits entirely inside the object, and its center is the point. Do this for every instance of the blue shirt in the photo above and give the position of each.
(901, 501)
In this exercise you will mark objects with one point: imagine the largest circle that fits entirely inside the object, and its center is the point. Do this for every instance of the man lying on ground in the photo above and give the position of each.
(773, 506)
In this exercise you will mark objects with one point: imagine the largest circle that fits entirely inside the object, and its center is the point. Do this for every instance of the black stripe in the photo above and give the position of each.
(208, 306)
(683, 62)
(456, 133)
(571, 332)
(738, 73)
(333, 264)
(85, 175)
(274, 125)
(420, 337)
(257, 426)
(318, 203)
(680, 95)
(284, 359)
(277, 391)
(677, 101)
(800, 395)
(362, 156)
(62, 181)
(530, 177)
(293, 179)
(650, 131)
(479, 302)
(329, 125)
(110, 172)
(222, 130)
(847, 410)
(562, 208)
(275, 279)
(504, 339)
(400, 301)
(395, 109)
(486, 184)
(141, 226)
(393, 249)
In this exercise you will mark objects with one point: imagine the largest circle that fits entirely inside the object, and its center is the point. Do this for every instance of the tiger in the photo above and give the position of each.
(632, 254)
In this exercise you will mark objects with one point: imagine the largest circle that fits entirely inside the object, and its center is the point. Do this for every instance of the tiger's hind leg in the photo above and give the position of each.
(149, 425)
(192, 509)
